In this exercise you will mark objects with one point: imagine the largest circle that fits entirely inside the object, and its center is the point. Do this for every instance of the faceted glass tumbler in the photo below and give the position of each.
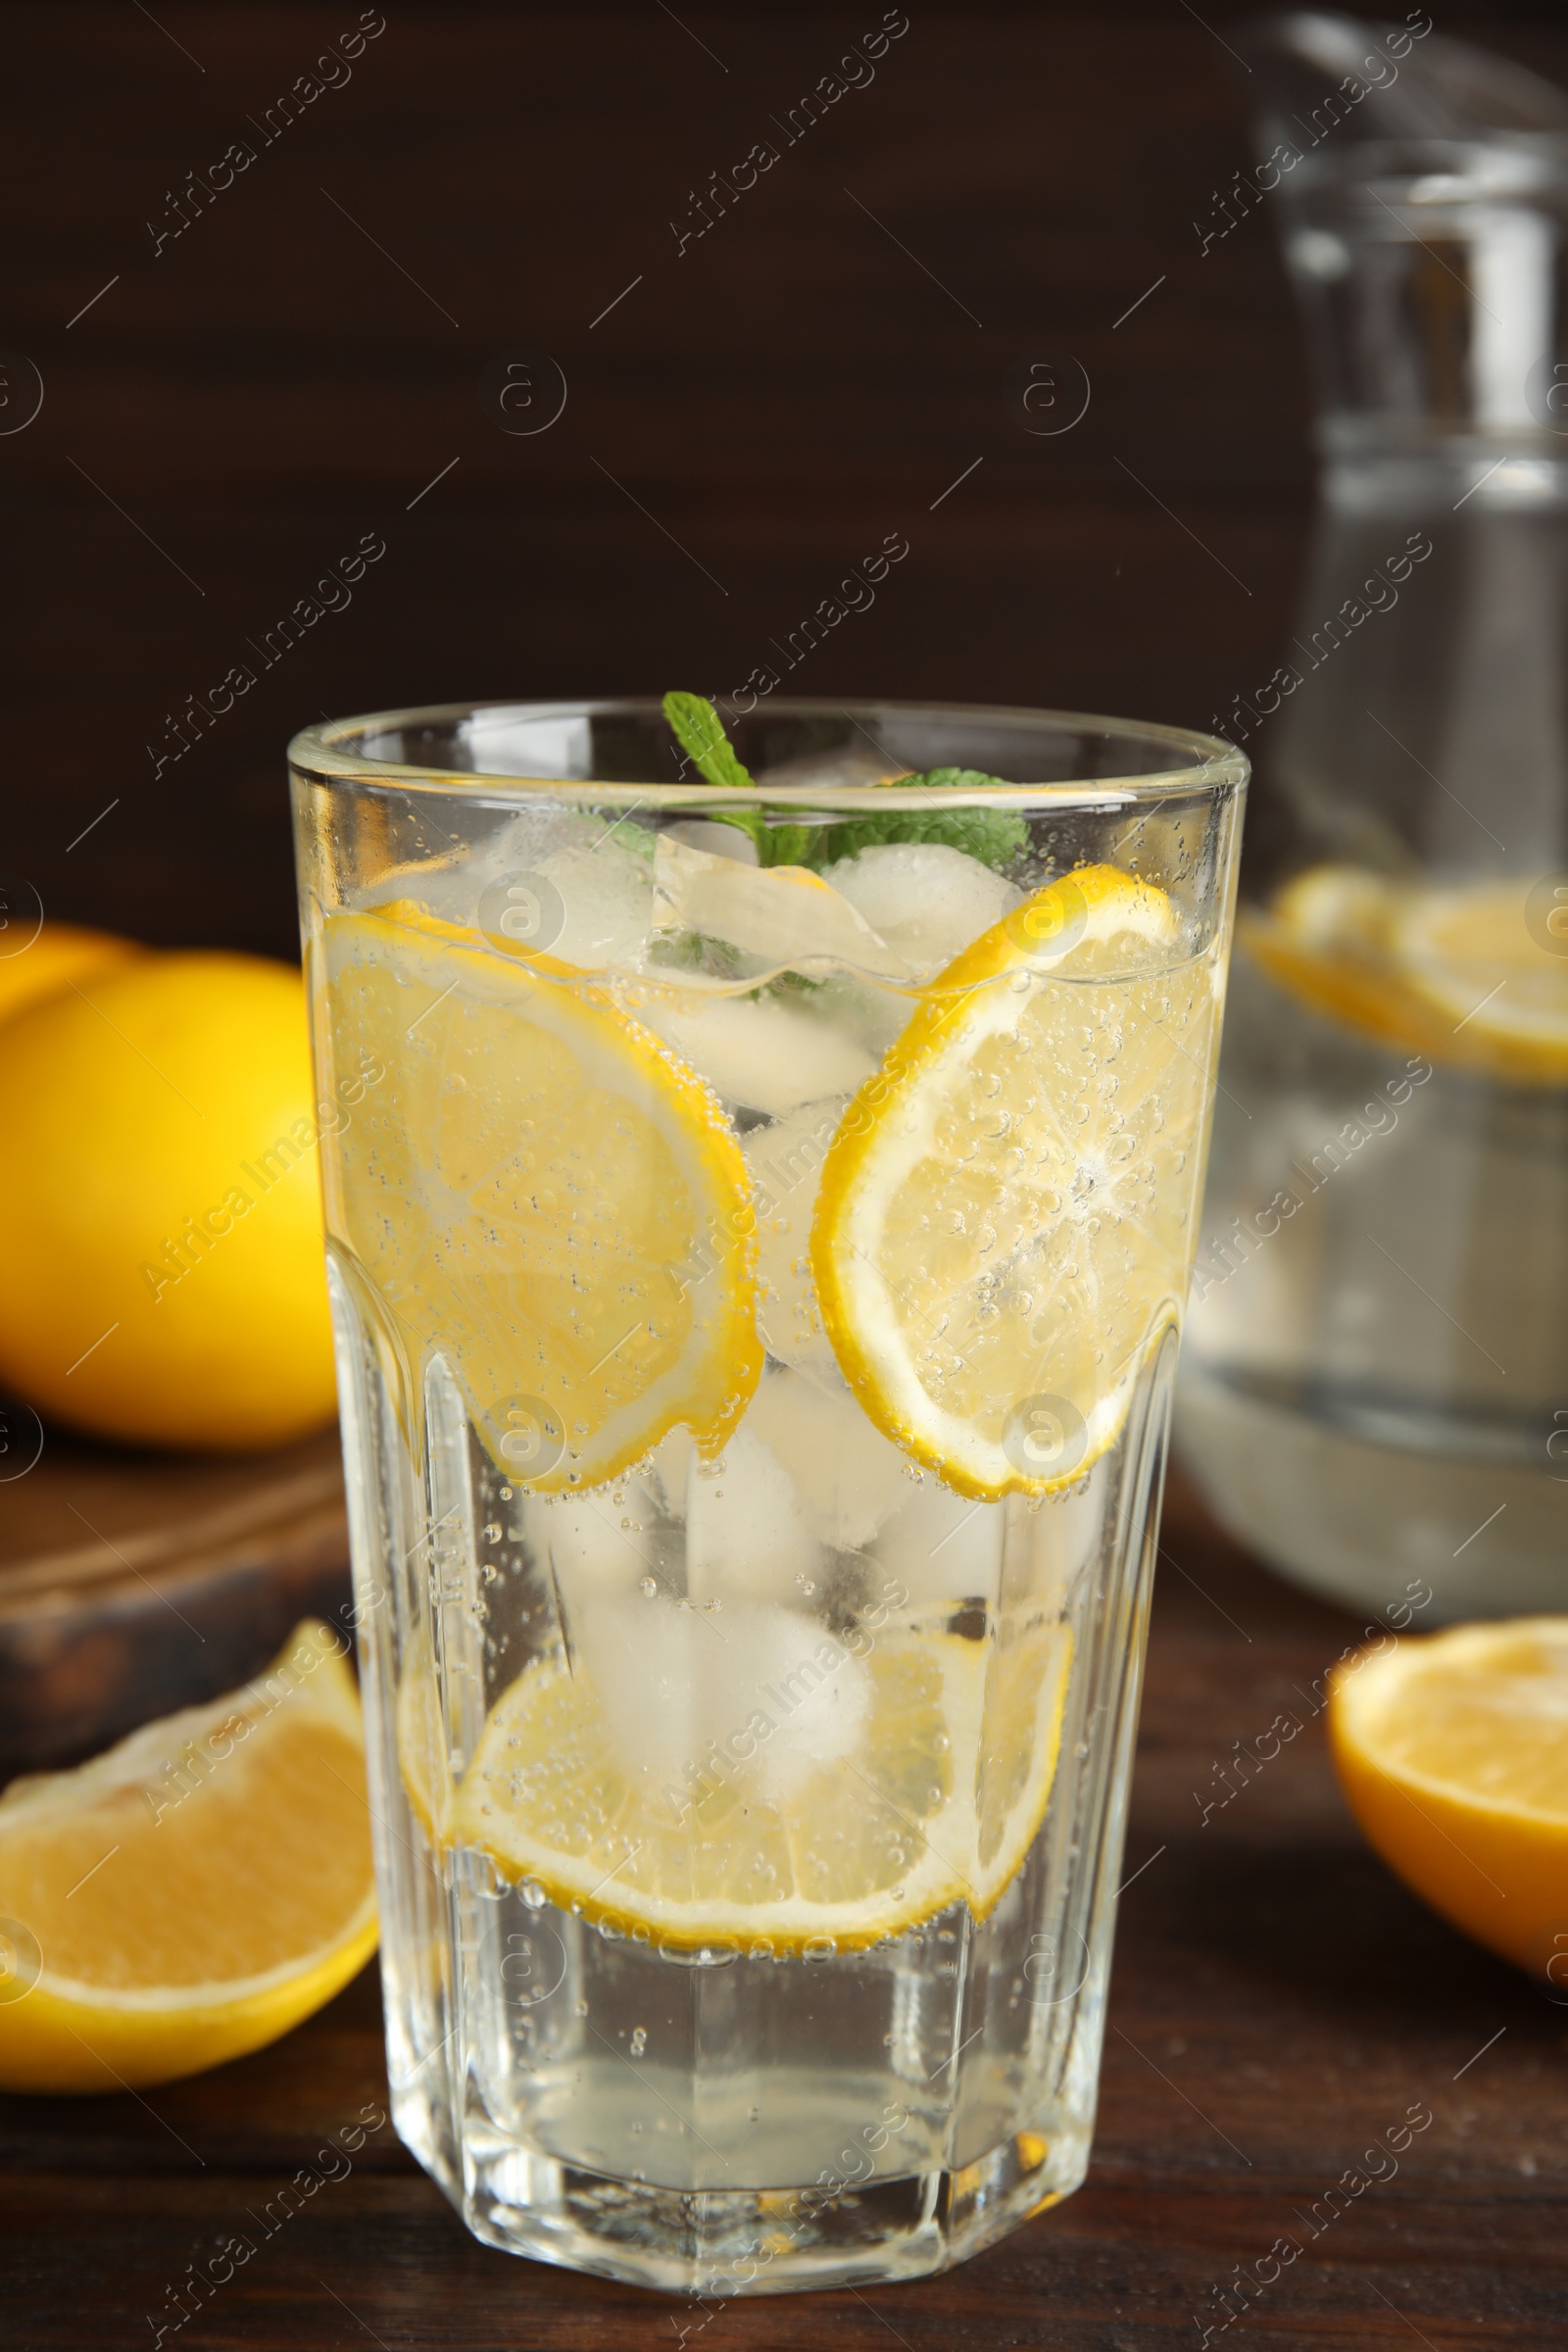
(758, 1233)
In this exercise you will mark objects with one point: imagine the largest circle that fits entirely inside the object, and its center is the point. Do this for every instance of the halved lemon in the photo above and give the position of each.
(542, 1193)
(1001, 1226)
(1452, 1750)
(193, 1893)
(1457, 974)
(937, 1801)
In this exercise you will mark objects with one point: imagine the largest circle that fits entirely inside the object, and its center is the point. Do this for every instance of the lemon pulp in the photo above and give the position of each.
(1454, 1753)
(938, 1803)
(193, 1893)
(550, 1200)
(1001, 1225)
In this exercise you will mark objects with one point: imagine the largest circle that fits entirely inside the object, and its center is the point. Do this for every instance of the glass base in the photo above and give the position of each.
(714, 2243)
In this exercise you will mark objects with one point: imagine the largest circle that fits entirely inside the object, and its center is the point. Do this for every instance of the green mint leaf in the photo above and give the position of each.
(991, 835)
(698, 730)
(786, 845)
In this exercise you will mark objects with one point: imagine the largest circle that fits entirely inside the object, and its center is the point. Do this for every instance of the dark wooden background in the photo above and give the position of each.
(239, 407)
(223, 420)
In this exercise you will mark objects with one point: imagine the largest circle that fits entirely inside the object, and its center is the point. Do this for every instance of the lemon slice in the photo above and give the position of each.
(936, 1801)
(1453, 1753)
(544, 1195)
(193, 1894)
(1001, 1225)
(1471, 953)
(1455, 974)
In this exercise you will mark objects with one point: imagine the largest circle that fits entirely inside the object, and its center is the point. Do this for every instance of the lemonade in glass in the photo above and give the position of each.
(757, 1282)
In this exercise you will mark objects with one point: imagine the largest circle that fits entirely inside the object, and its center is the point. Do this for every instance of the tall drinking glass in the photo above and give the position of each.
(759, 1224)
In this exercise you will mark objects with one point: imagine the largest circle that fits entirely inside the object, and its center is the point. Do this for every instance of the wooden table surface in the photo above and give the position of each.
(1279, 2006)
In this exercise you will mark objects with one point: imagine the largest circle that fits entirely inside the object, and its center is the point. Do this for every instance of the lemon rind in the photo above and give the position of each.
(1116, 902)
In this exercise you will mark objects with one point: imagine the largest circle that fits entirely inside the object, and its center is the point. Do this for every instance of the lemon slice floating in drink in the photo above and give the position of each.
(1469, 976)
(937, 1801)
(553, 1200)
(1001, 1229)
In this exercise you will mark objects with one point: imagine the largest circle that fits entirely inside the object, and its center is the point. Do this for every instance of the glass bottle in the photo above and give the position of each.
(1375, 1379)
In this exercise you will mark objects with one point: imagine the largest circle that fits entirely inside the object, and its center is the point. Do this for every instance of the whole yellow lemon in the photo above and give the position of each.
(161, 1205)
(57, 956)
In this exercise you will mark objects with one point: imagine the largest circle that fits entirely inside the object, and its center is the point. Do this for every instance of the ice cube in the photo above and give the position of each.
(582, 1536)
(718, 841)
(657, 1668)
(942, 1546)
(746, 1536)
(811, 1696)
(755, 1051)
(586, 885)
(848, 1478)
(926, 899)
(851, 764)
(783, 916)
(690, 1700)
(786, 1164)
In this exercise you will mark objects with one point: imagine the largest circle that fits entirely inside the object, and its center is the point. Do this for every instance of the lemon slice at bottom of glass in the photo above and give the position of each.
(937, 1802)
(1004, 1216)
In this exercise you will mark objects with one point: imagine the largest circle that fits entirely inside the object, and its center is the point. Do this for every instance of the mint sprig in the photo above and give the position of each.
(992, 835)
(700, 732)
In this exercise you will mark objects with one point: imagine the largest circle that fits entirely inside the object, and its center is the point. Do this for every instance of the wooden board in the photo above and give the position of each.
(134, 1583)
(1278, 2003)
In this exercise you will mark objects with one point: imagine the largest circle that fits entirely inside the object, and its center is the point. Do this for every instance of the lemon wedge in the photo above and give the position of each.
(936, 1801)
(545, 1195)
(193, 1893)
(1452, 1750)
(1458, 974)
(1001, 1230)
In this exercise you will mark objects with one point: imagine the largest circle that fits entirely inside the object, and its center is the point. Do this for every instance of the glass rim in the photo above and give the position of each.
(1209, 763)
